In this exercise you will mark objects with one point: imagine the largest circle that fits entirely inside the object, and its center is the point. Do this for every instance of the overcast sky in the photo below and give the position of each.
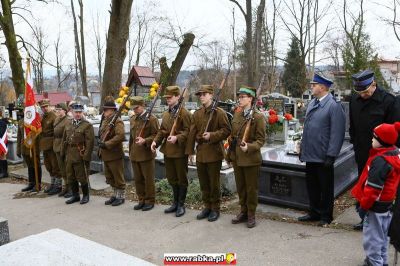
(210, 19)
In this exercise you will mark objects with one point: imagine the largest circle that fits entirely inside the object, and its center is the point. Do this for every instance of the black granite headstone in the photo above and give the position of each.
(280, 185)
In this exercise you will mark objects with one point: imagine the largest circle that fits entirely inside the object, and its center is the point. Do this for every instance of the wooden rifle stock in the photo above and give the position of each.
(149, 111)
(177, 113)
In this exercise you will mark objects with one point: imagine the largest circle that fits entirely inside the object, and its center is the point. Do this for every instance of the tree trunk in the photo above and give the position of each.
(257, 40)
(77, 47)
(169, 74)
(83, 73)
(7, 25)
(249, 44)
(118, 33)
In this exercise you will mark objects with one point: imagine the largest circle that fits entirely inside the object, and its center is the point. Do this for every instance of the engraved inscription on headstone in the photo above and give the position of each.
(289, 109)
(278, 104)
(280, 185)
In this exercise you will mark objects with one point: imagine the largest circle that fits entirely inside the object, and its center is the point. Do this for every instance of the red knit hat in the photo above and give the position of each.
(387, 134)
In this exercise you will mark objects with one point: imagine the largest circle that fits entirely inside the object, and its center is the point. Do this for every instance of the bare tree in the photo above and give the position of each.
(38, 57)
(118, 34)
(258, 39)
(234, 41)
(99, 46)
(154, 50)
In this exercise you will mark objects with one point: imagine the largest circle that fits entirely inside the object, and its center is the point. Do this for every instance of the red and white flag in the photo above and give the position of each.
(32, 120)
(3, 144)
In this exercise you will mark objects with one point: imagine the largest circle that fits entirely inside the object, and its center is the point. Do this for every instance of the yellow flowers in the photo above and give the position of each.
(153, 90)
(123, 93)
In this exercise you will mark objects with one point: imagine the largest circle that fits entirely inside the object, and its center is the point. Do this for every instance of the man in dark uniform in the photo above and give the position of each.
(3, 157)
(322, 140)
(141, 156)
(245, 155)
(46, 145)
(173, 147)
(209, 151)
(59, 126)
(27, 154)
(112, 152)
(78, 142)
(370, 106)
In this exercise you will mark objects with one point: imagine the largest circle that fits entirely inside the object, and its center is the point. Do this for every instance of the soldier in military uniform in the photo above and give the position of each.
(209, 151)
(27, 154)
(246, 155)
(78, 142)
(173, 146)
(112, 153)
(59, 125)
(369, 106)
(46, 145)
(140, 153)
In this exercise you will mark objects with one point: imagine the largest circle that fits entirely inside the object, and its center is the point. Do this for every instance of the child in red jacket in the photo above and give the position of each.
(376, 190)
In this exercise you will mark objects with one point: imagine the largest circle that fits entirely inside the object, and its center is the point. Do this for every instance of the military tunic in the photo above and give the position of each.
(176, 166)
(113, 153)
(46, 144)
(142, 157)
(78, 142)
(59, 127)
(27, 153)
(247, 164)
(209, 154)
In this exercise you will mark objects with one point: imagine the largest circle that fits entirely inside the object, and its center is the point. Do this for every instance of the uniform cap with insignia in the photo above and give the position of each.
(205, 88)
(109, 103)
(247, 90)
(171, 91)
(362, 80)
(44, 102)
(137, 101)
(62, 106)
(77, 107)
(319, 79)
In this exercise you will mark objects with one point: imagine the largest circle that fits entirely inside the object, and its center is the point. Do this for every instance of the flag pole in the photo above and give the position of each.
(35, 162)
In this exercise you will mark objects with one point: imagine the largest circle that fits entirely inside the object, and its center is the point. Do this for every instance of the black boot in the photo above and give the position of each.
(75, 193)
(31, 180)
(64, 190)
(175, 192)
(3, 168)
(181, 202)
(51, 187)
(39, 187)
(85, 192)
(120, 197)
(56, 188)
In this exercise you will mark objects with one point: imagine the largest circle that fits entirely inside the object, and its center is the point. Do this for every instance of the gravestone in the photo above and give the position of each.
(4, 232)
(290, 109)
(278, 104)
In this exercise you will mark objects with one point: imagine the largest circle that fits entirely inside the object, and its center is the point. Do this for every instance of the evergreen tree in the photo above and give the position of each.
(294, 75)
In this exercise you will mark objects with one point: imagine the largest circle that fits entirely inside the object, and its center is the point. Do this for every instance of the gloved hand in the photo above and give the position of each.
(102, 145)
(329, 161)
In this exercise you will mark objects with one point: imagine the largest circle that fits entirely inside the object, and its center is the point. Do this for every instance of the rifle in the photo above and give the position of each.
(249, 117)
(111, 125)
(177, 112)
(149, 110)
(214, 103)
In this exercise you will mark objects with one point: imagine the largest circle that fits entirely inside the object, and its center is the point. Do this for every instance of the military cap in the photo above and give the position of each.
(44, 102)
(171, 91)
(205, 88)
(62, 106)
(109, 103)
(137, 101)
(77, 107)
(247, 90)
(319, 79)
(362, 80)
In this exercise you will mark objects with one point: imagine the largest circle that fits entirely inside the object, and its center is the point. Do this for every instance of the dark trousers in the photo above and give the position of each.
(209, 177)
(320, 187)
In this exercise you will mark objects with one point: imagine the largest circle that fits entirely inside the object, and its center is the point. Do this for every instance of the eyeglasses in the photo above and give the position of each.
(243, 96)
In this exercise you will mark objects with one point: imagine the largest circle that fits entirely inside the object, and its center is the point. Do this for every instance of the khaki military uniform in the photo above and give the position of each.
(113, 154)
(247, 164)
(28, 154)
(78, 142)
(46, 145)
(59, 127)
(142, 157)
(174, 154)
(209, 154)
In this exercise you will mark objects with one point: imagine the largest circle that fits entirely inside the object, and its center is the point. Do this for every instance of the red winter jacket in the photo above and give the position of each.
(380, 177)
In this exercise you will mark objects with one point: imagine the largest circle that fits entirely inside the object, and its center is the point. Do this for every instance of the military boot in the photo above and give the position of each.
(181, 202)
(120, 199)
(75, 193)
(3, 168)
(174, 206)
(85, 192)
(31, 180)
(39, 187)
(56, 188)
(113, 197)
(64, 190)
(48, 189)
